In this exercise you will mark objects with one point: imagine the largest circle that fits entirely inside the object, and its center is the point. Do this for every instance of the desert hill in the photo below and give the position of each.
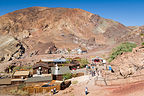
(39, 29)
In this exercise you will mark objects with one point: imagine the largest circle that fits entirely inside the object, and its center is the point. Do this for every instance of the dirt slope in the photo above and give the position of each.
(130, 63)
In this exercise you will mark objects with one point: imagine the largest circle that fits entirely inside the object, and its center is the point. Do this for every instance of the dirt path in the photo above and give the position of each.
(133, 89)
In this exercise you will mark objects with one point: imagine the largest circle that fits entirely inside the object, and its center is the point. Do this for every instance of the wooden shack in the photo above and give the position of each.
(58, 72)
(6, 81)
(36, 80)
(18, 81)
(21, 75)
(42, 88)
(43, 67)
(84, 50)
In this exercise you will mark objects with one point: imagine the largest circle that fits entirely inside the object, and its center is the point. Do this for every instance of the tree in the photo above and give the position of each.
(69, 50)
(142, 37)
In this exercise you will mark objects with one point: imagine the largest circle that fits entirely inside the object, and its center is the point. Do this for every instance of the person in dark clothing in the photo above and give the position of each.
(54, 91)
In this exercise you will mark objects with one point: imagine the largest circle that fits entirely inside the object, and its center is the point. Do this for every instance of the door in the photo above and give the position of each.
(54, 77)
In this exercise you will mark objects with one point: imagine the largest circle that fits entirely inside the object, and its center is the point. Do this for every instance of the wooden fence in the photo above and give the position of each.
(38, 89)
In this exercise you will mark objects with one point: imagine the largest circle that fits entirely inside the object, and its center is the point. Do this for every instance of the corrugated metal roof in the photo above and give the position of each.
(39, 79)
(54, 60)
(61, 70)
(60, 60)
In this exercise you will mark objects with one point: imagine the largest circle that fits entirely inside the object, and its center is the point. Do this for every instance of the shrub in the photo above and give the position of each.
(22, 93)
(68, 60)
(19, 92)
(67, 76)
(124, 47)
(17, 68)
(143, 43)
(22, 68)
(83, 62)
(75, 82)
(13, 91)
(74, 75)
(21, 86)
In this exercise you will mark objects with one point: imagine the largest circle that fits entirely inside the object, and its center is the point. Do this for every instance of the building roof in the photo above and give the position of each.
(21, 73)
(47, 60)
(54, 60)
(60, 60)
(41, 64)
(17, 79)
(61, 70)
(83, 49)
(39, 79)
(76, 58)
(5, 81)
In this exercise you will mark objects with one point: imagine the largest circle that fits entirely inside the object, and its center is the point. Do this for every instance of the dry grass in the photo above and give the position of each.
(75, 82)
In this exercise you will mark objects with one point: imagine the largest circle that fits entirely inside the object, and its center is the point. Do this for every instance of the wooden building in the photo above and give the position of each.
(44, 66)
(18, 81)
(37, 80)
(6, 81)
(21, 75)
(58, 72)
(41, 68)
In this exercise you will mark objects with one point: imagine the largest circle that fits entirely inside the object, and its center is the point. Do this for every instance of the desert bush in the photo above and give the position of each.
(19, 92)
(74, 75)
(68, 60)
(75, 82)
(67, 76)
(124, 47)
(21, 86)
(26, 67)
(17, 68)
(83, 62)
(22, 93)
(13, 91)
(143, 43)
(22, 68)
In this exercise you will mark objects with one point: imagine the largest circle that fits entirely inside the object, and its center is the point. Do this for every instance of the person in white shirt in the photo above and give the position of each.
(86, 91)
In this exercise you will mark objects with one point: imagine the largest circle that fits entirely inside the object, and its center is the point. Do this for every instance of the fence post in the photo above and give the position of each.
(105, 81)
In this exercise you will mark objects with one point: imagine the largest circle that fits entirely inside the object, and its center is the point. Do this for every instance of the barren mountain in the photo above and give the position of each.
(39, 29)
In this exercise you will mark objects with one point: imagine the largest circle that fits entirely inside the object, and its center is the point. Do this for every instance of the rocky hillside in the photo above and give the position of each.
(10, 48)
(130, 63)
(136, 35)
(37, 28)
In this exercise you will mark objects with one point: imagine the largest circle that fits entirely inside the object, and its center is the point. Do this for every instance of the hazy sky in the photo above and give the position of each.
(127, 12)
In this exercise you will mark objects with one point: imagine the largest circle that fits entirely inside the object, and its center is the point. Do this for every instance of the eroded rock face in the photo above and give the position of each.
(10, 48)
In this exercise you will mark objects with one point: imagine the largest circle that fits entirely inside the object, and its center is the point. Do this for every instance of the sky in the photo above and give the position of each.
(127, 12)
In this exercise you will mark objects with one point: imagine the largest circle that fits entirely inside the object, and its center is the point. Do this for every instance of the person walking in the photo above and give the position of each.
(54, 90)
(86, 91)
